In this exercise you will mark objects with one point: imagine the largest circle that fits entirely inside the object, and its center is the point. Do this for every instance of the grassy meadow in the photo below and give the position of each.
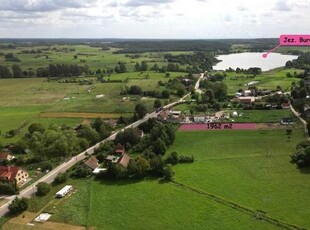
(128, 204)
(249, 168)
(94, 57)
(260, 116)
(267, 80)
(24, 100)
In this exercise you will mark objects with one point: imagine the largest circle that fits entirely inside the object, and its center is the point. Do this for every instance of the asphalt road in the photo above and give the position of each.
(49, 177)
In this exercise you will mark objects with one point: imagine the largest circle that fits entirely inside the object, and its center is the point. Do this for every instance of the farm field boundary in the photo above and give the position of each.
(260, 215)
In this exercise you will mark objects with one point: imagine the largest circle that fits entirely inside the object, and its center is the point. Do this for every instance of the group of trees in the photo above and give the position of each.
(253, 70)
(56, 142)
(141, 67)
(302, 62)
(10, 57)
(214, 90)
(202, 60)
(137, 90)
(62, 70)
(120, 68)
(299, 93)
(140, 167)
(14, 72)
(150, 161)
(301, 156)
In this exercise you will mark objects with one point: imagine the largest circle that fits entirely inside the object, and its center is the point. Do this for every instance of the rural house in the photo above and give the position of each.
(120, 157)
(13, 174)
(92, 163)
(119, 149)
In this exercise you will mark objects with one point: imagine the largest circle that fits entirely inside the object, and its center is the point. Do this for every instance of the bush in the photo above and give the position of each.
(173, 158)
(18, 205)
(43, 188)
(81, 172)
(46, 166)
(7, 189)
(186, 159)
(168, 173)
(61, 178)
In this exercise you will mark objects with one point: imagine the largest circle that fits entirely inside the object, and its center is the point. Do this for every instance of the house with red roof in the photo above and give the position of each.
(92, 163)
(124, 160)
(119, 157)
(13, 174)
(119, 149)
(6, 156)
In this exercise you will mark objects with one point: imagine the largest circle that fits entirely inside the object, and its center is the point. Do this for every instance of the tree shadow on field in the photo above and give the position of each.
(304, 170)
(128, 181)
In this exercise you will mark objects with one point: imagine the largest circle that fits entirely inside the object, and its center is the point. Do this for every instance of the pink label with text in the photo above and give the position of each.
(295, 40)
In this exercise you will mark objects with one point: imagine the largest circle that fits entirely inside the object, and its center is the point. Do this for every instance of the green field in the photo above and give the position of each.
(259, 116)
(147, 204)
(22, 100)
(249, 168)
(267, 80)
(94, 57)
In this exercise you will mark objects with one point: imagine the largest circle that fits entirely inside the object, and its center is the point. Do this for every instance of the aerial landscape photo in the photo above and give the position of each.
(154, 114)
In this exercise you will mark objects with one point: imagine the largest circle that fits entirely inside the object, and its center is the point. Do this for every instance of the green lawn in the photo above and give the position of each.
(250, 168)
(147, 204)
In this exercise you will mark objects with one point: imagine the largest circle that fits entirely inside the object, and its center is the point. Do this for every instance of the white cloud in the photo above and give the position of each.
(153, 19)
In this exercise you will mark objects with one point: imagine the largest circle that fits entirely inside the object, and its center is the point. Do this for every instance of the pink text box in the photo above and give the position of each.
(295, 40)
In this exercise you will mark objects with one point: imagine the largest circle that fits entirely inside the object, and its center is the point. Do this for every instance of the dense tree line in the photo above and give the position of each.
(302, 62)
(57, 142)
(61, 70)
(204, 61)
(171, 45)
(253, 70)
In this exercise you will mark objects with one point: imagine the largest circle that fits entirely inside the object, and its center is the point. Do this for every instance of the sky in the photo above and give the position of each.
(169, 19)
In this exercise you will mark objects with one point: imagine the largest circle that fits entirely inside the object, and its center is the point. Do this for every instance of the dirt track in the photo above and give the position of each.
(79, 115)
(21, 221)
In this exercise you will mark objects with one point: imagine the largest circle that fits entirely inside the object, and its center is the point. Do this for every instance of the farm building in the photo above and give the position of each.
(13, 174)
(64, 191)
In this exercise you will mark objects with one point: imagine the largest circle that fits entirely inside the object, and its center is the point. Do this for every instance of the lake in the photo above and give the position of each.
(247, 60)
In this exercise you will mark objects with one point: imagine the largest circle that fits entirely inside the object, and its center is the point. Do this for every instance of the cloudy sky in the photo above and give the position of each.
(197, 19)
